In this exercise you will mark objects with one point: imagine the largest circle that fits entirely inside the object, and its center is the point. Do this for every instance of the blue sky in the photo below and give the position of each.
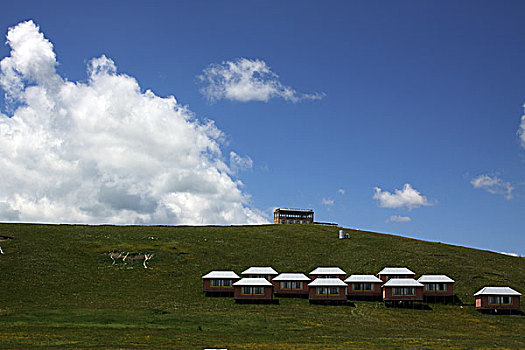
(422, 93)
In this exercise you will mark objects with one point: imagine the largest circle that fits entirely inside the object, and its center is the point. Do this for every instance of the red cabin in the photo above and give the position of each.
(437, 287)
(328, 272)
(498, 299)
(259, 272)
(327, 290)
(291, 284)
(395, 272)
(364, 287)
(253, 290)
(219, 283)
(402, 291)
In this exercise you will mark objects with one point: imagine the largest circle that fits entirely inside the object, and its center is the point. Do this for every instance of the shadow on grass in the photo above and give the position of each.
(502, 312)
(332, 303)
(414, 306)
(257, 301)
(447, 300)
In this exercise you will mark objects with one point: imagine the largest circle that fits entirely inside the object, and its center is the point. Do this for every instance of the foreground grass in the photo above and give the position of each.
(60, 291)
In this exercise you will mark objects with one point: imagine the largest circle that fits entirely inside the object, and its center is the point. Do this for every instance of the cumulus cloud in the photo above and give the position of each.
(398, 218)
(327, 201)
(246, 80)
(104, 151)
(494, 185)
(341, 191)
(407, 197)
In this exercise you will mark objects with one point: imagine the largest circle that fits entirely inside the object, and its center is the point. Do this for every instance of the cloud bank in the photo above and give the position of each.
(494, 185)
(105, 151)
(407, 197)
(246, 80)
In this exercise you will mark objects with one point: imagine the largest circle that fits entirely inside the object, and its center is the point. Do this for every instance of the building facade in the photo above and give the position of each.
(219, 283)
(364, 287)
(493, 299)
(291, 284)
(253, 290)
(404, 290)
(395, 272)
(327, 290)
(293, 216)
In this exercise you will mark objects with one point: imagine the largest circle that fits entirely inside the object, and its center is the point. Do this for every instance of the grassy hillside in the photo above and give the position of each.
(60, 291)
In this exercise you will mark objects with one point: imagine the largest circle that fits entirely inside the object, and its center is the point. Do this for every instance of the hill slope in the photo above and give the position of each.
(59, 289)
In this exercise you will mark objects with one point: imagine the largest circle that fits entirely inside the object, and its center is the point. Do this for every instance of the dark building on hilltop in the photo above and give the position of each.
(293, 216)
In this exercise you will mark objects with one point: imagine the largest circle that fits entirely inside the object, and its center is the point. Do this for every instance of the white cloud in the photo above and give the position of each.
(521, 130)
(327, 201)
(407, 197)
(104, 150)
(510, 254)
(494, 185)
(398, 218)
(341, 191)
(240, 163)
(247, 80)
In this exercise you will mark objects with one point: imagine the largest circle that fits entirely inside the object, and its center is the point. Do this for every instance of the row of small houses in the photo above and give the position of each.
(392, 285)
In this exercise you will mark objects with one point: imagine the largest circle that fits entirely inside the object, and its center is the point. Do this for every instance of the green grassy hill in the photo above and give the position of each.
(58, 290)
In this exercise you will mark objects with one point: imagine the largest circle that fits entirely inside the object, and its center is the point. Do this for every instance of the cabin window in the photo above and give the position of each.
(291, 285)
(403, 291)
(362, 286)
(327, 291)
(221, 283)
(252, 290)
(327, 276)
(500, 299)
(437, 287)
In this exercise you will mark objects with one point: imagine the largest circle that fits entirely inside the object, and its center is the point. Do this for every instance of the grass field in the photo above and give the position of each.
(60, 291)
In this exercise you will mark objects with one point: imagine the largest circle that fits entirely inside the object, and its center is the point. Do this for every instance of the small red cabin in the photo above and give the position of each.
(395, 272)
(437, 287)
(260, 272)
(291, 284)
(327, 290)
(328, 272)
(253, 290)
(498, 299)
(219, 283)
(364, 287)
(402, 291)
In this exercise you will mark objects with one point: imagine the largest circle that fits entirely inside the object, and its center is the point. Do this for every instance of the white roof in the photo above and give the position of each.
(295, 209)
(396, 271)
(363, 278)
(221, 274)
(402, 282)
(327, 271)
(497, 291)
(291, 277)
(327, 282)
(435, 279)
(253, 282)
(257, 270)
